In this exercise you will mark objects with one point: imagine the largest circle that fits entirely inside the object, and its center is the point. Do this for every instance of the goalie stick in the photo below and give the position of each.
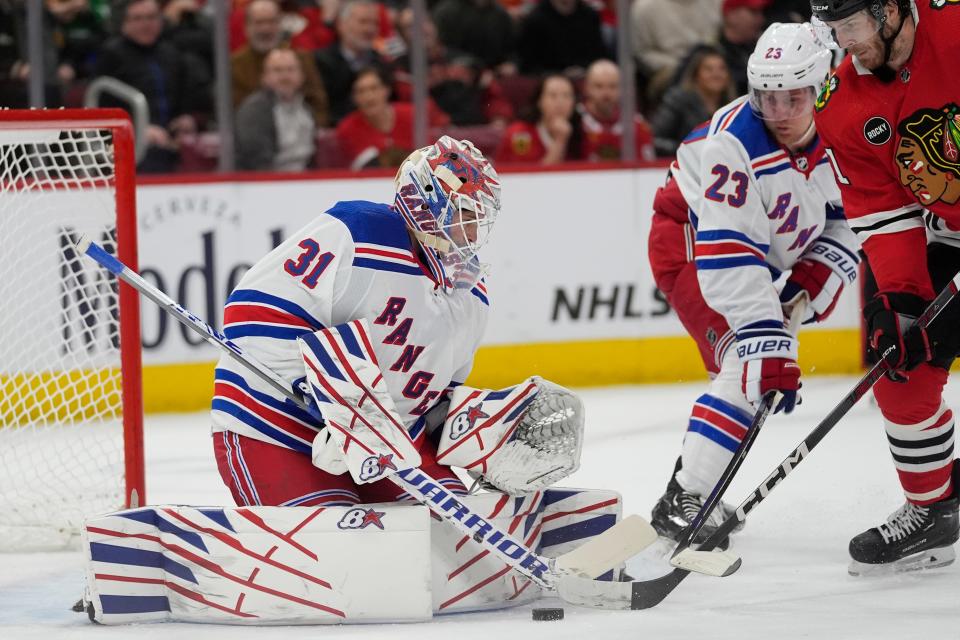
(644, 594)
(595, 557)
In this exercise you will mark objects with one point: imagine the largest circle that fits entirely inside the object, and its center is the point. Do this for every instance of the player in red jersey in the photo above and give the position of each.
(890, 120)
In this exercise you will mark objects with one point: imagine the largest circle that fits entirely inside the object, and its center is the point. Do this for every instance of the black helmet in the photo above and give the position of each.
(831, 10)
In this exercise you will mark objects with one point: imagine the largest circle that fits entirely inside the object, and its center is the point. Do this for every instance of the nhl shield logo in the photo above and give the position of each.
(802, 163)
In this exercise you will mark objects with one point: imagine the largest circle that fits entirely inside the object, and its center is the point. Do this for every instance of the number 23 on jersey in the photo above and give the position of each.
(720, 192)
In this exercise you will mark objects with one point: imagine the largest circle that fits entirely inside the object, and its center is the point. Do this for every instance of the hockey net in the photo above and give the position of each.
(70, 409)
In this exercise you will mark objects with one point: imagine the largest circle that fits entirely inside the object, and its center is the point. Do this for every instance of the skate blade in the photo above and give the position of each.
(930, 559)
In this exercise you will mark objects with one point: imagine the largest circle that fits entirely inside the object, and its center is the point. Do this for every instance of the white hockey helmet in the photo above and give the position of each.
(449, 196)
(788, 58)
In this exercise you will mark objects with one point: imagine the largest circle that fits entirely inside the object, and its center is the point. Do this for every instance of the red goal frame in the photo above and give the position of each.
(124, 178)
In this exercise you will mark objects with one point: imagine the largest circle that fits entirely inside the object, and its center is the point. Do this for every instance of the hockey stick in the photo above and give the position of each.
(644, 594)
(719, 564)
(595, 557)
(723, 564)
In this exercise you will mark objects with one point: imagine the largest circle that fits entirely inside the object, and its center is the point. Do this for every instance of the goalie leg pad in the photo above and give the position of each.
(260, 565)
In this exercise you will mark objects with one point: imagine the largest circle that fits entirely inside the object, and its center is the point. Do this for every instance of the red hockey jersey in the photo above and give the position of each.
(896, 150)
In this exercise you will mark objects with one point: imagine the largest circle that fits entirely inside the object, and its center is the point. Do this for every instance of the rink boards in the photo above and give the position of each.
(570, 286)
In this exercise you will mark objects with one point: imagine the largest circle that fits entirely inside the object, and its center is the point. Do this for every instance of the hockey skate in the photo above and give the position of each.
(676, 509)
(913, 538)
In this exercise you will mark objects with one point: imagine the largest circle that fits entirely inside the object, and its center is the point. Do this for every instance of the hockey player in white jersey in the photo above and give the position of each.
(411, 271)
(748, 224)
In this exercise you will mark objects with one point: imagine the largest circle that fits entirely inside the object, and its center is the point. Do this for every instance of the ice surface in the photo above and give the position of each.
(793, 583)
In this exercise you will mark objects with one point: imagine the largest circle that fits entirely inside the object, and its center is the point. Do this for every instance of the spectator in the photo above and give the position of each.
(600, 117)
(743, 23)
(357, 26)
(705, 86)
(275, 129)
(664, 31)
(172, 82)
(560, 35)
(458, 85)
(379, 133)
(307, 25)
(551, 132)
(264, 35)
(481, 28)
(189, 29)
(71, 35)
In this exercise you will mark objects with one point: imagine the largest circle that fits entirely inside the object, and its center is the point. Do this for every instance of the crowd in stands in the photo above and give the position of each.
(328, 83)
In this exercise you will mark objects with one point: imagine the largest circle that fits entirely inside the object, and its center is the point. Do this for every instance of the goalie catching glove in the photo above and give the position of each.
(519, 440)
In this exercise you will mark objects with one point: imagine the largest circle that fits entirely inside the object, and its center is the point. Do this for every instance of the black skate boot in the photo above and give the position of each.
(912, 538)
(675, 511)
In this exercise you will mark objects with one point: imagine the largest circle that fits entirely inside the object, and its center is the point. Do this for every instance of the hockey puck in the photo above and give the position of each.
(547, 613)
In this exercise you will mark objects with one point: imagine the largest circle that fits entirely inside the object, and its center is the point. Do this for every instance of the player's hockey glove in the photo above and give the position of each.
(889, 317)
(769, 356)
(821, 284)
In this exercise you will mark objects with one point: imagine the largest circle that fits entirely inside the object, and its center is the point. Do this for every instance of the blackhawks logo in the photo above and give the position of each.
(940, 4)
(827, 91)
(521, 143)
(928, 154)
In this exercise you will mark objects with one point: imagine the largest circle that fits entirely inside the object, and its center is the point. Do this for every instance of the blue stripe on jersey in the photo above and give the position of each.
(729, 263)
(257, 330)
(372, 223)
(777, 168)
(254, 422)
(321, 353)
(480, 296)
(730, 234)
(712, 433)
(383, 265)
(752, 134)
(252, 295)
(283, 406)
(699, 133)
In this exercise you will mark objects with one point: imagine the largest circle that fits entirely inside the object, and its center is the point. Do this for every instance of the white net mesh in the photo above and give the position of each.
(61, 434)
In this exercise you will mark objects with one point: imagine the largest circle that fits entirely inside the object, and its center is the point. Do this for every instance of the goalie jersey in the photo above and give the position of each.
(355, 261)
(757, 209)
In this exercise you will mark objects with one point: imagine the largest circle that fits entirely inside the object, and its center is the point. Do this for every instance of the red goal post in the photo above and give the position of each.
(71, 417)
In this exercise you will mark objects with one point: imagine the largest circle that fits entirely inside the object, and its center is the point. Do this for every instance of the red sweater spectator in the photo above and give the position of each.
(600, 117)
(552, 133)
(379, 133)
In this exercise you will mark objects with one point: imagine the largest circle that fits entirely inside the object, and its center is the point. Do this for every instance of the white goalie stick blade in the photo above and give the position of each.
(711, 563)
(614, 546)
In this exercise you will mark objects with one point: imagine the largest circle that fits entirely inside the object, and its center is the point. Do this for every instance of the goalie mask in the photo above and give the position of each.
(449, 196)
(786, 72)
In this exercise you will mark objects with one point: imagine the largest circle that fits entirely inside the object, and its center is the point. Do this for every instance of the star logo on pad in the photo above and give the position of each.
(386, 462)
(372, 516)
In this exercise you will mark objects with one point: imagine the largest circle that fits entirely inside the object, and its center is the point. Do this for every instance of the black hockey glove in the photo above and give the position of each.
(889, 317)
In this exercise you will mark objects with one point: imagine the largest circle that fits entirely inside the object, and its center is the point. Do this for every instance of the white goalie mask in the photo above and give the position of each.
(786, 71)
(449, 196)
